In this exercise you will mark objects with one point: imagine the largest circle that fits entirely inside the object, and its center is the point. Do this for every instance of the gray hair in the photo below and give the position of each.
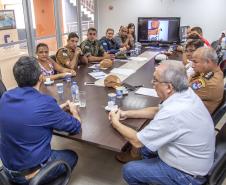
(209, 54)
(175, 73)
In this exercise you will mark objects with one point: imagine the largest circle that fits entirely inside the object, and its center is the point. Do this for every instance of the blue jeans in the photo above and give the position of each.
(155, 171)
(66, 155)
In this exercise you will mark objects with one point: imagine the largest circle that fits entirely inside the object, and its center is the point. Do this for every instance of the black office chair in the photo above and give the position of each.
(61, 180)
(2, 88)
(220, 111)
(222, 66)
(53, 57)
(217, 47)
(217, 173)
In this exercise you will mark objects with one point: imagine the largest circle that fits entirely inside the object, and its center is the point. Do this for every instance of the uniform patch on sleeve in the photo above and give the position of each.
(197, 84)
(209, 75)
(65, 54)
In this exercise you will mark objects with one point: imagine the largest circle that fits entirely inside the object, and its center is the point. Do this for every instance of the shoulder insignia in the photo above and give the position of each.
(105, 44)
(65, 54)
(208, 75)
(197, 84)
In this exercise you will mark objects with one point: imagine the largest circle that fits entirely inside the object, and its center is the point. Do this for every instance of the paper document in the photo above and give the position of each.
(138, 58)
(94, 66)
(98, 75)
(123, 71)
(147, 92)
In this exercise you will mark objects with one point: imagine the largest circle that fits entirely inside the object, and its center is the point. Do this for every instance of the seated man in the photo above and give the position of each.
(109, 44)
(70, 55)
(122, 38)
(27, 121)
(181, 132)
(198, 30)
(92, 49)
(191, 46)
(208, 81)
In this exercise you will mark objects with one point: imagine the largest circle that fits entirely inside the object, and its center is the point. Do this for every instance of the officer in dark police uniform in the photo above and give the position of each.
(109, 44)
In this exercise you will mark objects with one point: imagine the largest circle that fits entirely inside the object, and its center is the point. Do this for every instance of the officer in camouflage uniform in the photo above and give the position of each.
(70, 55)
(208, 83)
(92, 49)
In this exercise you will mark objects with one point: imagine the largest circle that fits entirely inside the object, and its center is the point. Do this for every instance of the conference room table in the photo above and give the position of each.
(96, 127)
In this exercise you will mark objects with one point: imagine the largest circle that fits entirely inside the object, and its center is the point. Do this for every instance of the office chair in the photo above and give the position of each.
(53, 57)
(2, 88)
(220, 111)
(61, 180)
(217, 173)
(222, 66)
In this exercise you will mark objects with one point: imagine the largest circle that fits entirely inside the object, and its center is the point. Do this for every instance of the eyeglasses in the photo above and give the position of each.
(154, 81)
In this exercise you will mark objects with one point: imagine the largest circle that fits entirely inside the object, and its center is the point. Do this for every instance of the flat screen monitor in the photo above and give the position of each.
(159, 29)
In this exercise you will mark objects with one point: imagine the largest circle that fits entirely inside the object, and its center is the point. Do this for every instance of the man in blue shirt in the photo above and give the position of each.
(109, 44)
(27, 121)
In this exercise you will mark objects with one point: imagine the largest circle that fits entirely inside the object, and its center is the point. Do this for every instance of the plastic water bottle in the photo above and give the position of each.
(75, 92)
(223, 43)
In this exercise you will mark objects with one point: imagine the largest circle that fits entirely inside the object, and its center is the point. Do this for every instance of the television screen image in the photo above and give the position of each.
(159, 30)
(7, 19)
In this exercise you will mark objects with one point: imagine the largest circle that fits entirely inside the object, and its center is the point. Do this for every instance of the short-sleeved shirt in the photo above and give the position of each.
(110, 46)
(47, 72)
(27, 120)
(183, 134)
(93, 48)
(120, 40)
(210, 88)
(66, 54)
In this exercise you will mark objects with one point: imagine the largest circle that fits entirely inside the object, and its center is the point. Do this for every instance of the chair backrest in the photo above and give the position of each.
(217, 172)
(60, 180)
(3, 178)
(2, 88)
(220, 111)
(53, 57)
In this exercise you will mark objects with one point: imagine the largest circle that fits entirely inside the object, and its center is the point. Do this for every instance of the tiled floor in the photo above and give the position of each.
(95, 166)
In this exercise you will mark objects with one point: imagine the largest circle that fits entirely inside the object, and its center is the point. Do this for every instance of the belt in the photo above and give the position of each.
(196, 176)
(27, 171)
(199, 177)
(24, 172)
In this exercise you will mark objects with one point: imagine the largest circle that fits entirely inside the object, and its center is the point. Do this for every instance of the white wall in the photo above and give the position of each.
(208, 14)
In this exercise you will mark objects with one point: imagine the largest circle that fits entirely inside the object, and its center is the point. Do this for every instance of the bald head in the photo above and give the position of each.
(207, 54)
(204, 60)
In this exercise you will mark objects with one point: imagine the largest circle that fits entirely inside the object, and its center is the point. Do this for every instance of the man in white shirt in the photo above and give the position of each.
(181, 132)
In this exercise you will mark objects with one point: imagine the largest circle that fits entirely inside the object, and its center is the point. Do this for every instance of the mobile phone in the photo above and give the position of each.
(89, 83)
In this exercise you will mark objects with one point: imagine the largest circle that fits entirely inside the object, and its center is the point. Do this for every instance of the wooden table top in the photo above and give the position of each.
(96, 128)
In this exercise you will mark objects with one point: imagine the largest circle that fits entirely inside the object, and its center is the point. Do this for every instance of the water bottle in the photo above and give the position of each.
(75, 92)
(223, 43)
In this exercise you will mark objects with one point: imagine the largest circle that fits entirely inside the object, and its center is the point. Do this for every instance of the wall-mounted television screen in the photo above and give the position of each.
(159, 29)
(7, 19)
